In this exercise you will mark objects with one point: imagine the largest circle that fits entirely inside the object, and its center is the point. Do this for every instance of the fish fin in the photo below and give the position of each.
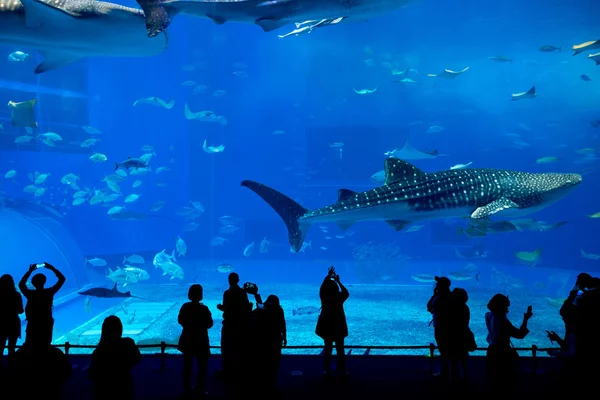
(216, 19)
(289, 211)
(34, 13)
(477, 276)
(493, 207)
(398, 225)
(269, 25)
(115, 287)
(531, 91)
(54, 60)
(397, 170)
(345, 194)
(157, 17)
(344, 225)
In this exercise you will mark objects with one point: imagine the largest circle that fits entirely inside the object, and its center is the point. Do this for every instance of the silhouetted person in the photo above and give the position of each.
(501, 358)
(587, 330)
(40, 372)
(270, 334)
(38, 310)
(11, 305)
(331, 325)
(460, 337)
(195, 319)
(438, 305)
(236, 328)
(112, 362)
(569, 313)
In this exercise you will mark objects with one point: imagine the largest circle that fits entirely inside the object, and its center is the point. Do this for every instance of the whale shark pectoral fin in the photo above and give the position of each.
(55, 59)
(34, 13)
(345, 194)
(344, 225)
(269, 25)
(157, 16)
(493, 207)
(398, 225)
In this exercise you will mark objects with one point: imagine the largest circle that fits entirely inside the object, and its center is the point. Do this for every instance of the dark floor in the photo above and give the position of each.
(371, 377)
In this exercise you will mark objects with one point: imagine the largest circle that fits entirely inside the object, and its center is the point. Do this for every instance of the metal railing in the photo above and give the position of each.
(367, 350)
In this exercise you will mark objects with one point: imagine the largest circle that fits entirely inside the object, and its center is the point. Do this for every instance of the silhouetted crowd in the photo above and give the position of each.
(259, 333)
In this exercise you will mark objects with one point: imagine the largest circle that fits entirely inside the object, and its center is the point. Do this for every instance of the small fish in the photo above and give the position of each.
(530, 94)
(307, 310)
(225, 268)
(423, 278)
(449, 74)
(98, 157)
(212, 149)
(550, 49)
(595, 215)
(249, 249)
(547, 160)
(586, 78)
(461, 166)
(590, 256)
(156, 102)
(96, 262)
(529, 256)
(134, 259)
(264, 245)
(134, 163)
(18, 56)
(180, 246)
(366, 91)
(500, 59)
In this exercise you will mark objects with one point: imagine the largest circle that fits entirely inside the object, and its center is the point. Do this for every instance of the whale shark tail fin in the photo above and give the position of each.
(289, 211)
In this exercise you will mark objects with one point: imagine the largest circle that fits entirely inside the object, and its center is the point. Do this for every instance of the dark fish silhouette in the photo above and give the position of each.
(105, 293)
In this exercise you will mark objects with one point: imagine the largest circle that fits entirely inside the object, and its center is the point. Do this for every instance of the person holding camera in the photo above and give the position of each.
(439, 306)
(38, 310)
(331, 324)
(269, 336)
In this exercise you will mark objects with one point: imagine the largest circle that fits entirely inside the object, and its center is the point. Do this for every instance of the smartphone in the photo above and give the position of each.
(529, 309)
(41, 265)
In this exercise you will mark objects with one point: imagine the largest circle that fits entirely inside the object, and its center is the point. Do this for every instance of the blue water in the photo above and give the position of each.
(303, 86)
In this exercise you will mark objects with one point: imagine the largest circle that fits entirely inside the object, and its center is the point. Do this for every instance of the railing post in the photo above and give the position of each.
(431, 358)
(534, 350)
(163, 348)
(67, 348)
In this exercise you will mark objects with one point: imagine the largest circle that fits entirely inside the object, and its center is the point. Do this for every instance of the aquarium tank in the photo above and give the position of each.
(396, 140)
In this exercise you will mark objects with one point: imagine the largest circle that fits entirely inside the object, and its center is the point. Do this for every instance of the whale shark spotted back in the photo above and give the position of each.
(409, 195)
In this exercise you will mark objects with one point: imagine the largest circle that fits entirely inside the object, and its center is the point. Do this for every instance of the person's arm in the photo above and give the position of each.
(258, 299)
(221, 307)
(522, 331)
(136, 355)
(23, 283)
(61, 278)
(345, 293)
(568, 307)
(209, 320)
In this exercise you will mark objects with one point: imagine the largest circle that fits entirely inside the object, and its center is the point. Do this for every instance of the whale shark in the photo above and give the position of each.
(409, 195)
(65, 31)
(268, 14)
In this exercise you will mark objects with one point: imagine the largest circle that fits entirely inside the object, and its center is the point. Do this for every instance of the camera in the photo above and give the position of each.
(250, 287)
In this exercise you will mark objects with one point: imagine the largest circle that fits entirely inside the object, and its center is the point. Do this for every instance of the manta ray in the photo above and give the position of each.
(408, 152)
(268, 14)
(409, 195)
(65, 31)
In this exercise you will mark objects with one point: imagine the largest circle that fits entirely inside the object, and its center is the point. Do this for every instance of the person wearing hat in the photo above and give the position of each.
(501, 357)
(439, 306)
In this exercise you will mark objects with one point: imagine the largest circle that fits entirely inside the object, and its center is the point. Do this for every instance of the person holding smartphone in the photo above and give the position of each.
(501, 357)
(38, 310)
